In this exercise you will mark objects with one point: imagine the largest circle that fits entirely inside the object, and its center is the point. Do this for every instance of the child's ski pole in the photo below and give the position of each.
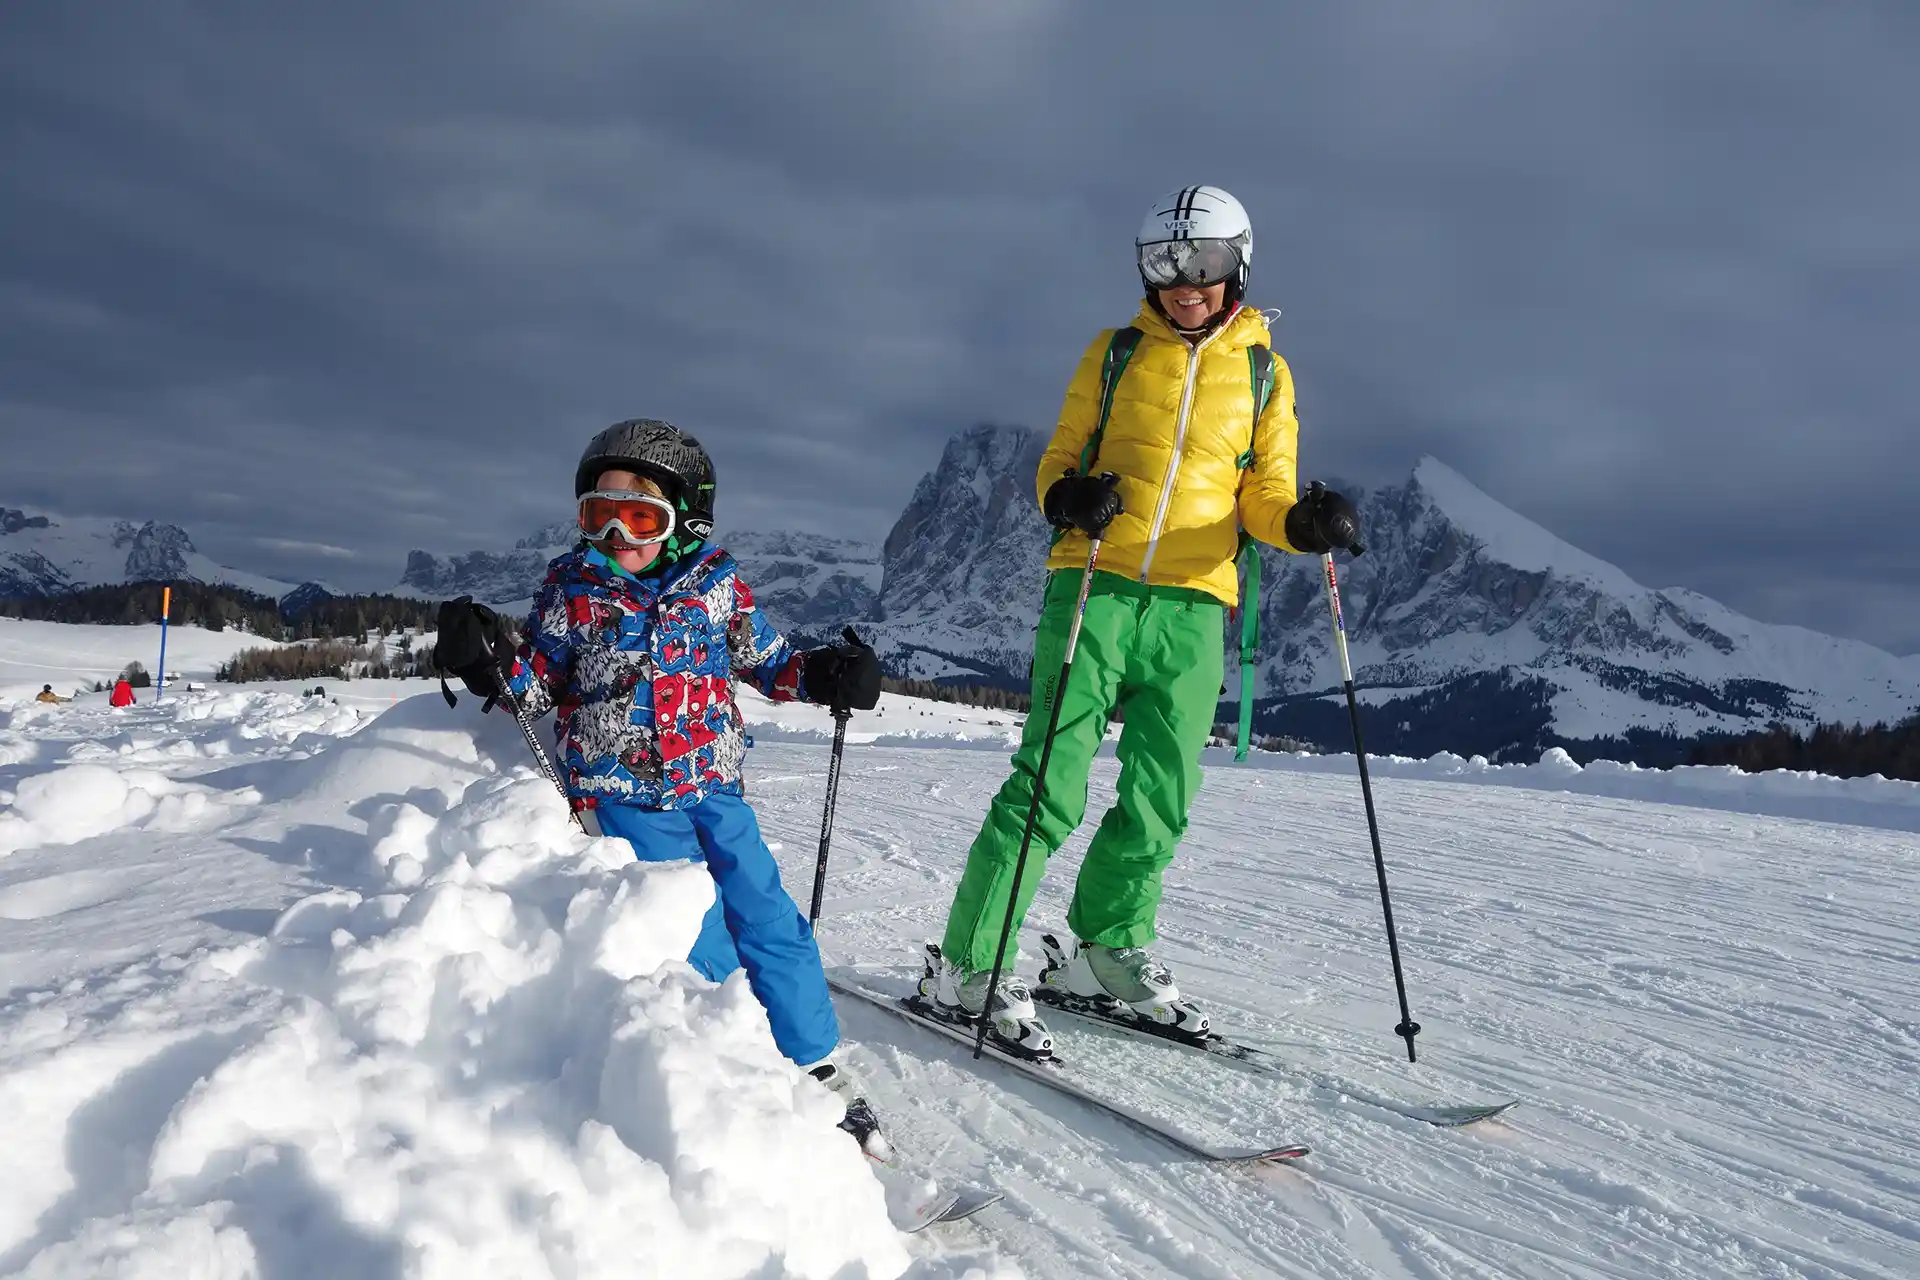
(841, 715)
(502, 674)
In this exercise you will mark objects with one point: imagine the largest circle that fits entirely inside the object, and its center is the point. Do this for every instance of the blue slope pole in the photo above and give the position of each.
(160, 678)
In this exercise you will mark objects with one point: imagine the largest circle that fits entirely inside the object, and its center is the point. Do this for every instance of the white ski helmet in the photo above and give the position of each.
(1198, 236)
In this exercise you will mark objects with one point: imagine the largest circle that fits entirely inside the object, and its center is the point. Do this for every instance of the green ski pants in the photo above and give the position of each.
(1157, 652)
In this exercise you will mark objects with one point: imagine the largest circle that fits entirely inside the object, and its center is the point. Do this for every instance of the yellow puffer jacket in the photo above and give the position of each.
(1182, 419)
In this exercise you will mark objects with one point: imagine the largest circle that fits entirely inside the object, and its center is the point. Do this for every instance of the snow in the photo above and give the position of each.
(470, 1036)
(330, 986)
(73, 657)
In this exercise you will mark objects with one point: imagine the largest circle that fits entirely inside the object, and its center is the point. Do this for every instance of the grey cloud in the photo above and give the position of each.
(1647, 272)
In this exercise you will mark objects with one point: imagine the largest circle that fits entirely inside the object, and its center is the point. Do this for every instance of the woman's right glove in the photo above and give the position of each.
(472, 642)
(1322, 521)
(1086, 503)
(843, 676)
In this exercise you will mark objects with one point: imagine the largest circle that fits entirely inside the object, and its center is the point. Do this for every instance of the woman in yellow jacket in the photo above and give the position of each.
(1160, 453)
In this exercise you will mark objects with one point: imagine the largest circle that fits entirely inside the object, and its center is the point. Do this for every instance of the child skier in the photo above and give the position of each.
(636, 638)
(1165, 453)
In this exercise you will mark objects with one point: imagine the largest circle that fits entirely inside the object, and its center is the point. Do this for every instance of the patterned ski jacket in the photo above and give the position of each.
(640, 672)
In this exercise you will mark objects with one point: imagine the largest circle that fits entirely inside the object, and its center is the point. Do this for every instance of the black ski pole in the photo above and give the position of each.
(1408, 1028)
(502, 674)
(1057, 696)
(840, 717)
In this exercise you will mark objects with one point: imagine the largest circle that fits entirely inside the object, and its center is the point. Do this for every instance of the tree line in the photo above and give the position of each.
(1841, 751)
(971, 695)
(337, 659)
(215, 607)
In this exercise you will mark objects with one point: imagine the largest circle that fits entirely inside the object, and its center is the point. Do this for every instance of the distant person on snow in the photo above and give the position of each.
(636, 638)
(1165, 452)
(122, 694)
(47, 694)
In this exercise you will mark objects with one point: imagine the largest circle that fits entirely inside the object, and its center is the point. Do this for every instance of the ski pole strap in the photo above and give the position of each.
(1249, 642)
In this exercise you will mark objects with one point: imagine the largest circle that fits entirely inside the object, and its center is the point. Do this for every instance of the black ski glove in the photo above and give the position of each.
(1323, 521)
(843, 676)
(1086, 503)
(472, 642)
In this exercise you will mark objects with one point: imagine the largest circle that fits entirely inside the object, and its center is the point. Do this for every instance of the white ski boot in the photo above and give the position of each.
(1110, 982)
(960, 997)
(860, 1122)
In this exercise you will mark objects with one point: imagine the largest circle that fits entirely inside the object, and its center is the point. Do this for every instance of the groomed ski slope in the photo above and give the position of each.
(463, 1051)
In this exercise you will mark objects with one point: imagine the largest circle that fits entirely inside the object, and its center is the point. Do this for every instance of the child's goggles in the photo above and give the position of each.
(1199, 263)
(640, 519)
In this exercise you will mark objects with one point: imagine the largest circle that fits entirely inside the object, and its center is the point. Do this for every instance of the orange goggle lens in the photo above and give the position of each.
(637, 518)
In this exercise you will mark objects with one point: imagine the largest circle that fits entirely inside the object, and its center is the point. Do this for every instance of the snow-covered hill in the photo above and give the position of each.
(297, 987)
(73, 658)
(1462, 608)
(43, 554)
(809, 584)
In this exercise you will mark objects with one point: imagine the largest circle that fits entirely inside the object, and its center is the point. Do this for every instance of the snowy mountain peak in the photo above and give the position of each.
(1506, 535)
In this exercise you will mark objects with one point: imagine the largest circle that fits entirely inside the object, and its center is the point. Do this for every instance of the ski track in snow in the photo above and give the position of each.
(1709, 1014)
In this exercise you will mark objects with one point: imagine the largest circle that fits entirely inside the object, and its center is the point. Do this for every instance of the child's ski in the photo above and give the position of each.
(916, 1204)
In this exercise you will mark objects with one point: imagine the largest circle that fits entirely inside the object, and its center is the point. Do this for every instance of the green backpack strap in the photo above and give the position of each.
(1119, 350)
(1260, 368)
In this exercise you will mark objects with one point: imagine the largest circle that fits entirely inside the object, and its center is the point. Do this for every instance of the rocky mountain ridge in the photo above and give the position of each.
(42, 554)
(1472, 629)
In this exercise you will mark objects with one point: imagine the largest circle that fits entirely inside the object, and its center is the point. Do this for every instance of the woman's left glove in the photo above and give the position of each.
(843, 676)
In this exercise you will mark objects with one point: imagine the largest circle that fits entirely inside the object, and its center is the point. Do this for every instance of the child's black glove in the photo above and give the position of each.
(843, 676)
(472, 642)
(1323, 521)
(1086, 503)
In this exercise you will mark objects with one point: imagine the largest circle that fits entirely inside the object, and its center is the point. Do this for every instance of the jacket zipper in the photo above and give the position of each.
(1179, 445)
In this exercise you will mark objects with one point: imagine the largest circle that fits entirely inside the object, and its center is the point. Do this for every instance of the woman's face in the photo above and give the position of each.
(1190, 306)
(633, 559)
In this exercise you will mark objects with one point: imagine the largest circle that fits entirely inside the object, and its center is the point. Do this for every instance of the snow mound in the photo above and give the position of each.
(477, 1050)
(81, 801)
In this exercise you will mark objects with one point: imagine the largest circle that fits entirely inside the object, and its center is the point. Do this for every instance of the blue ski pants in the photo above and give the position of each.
(753, 924)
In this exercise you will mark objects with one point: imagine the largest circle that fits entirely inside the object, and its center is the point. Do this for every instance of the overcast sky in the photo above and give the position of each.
(325, 282)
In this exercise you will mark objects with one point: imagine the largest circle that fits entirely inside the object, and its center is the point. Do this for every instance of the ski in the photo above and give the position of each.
(1114, 1016)
(915, 1204)
(1057, 1073)
(968, 1201)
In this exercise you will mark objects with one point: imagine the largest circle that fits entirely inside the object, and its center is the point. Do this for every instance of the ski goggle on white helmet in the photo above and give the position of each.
(1196, 236)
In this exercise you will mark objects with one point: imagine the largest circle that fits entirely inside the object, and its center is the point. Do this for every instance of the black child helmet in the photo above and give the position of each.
(670, 458)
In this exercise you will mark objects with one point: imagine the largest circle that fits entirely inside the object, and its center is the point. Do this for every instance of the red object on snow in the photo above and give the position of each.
(122, 695)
